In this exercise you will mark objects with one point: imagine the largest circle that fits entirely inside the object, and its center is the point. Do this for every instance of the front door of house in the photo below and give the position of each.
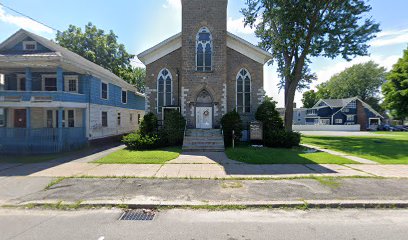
(204, 117)
(20, 118)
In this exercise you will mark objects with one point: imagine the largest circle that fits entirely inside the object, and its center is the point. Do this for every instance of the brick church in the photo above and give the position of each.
(204, 71)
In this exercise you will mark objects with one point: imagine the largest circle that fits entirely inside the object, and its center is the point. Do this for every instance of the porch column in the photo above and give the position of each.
(60, 110)
(84, 122)
(28, 118)
(60, 79)
(28, 79)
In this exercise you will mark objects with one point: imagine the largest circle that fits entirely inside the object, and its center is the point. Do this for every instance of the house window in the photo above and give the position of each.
(49, 83)
(325, 121)
(138, 118)
(71, 118)
(2, 82)
(21, 83)
(71, 84)
(311, 112)
(104, 90)
(204, 50)
(29, 45)
(346, 110)
(131, 117)
(2, 117)
(350, 118)
(50, 118)
(164, 89)
(124, 97)
(352, 104)
(119, 119)
(104, 119)
(243, 91)
(339, 121)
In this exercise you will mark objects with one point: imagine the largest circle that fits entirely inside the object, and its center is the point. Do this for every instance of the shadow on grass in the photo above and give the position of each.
(386, 149)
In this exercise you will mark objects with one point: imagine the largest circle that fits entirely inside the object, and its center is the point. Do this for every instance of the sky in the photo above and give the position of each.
(141, 24)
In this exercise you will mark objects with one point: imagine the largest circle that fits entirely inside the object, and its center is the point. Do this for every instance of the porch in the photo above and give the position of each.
(42, 130)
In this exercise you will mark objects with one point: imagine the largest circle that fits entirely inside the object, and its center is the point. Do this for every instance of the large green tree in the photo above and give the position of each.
(395, 90)
(295, 31)
(360, 80)
(135, 76)
(97, 46)
(309, 99)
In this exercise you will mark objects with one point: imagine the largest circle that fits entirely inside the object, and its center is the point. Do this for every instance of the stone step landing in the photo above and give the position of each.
(203, 140)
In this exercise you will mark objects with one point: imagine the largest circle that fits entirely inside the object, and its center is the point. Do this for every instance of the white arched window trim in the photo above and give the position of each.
(244, 99)
(204, 30)
(165, 103)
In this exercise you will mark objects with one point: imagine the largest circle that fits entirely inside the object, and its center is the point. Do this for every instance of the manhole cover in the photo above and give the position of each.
(138, 215)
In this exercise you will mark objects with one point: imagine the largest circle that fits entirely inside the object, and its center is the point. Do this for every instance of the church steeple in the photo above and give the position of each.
(210, 12)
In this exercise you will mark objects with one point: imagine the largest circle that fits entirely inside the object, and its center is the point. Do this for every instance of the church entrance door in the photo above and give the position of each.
(204, 110)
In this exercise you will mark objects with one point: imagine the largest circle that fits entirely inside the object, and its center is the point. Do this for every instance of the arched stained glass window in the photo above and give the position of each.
(204, 50)
(164, 89)
(243, 91)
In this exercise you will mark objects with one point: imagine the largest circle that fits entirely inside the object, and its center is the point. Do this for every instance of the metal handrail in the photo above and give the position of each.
(185, 129)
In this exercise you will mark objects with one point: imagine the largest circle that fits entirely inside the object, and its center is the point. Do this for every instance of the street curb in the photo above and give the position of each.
(306, 204)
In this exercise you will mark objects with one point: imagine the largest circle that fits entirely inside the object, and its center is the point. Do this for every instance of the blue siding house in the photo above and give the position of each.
(350, 111)
(53, 100)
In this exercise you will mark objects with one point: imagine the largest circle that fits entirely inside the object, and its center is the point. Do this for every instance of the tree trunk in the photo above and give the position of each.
(289, 98)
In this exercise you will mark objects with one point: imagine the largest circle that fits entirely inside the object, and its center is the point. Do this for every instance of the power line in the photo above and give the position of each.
(24, 15)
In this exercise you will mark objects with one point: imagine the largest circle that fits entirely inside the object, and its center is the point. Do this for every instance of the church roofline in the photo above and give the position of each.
(234, 42)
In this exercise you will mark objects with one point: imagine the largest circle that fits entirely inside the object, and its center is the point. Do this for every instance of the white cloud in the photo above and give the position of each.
(392, 37)
(237, 26)
(23, 22)
(174, 4)
(326, 73)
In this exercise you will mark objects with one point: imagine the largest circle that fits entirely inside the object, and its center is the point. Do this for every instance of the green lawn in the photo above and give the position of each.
(388, 148)
(253, 155)
(126, 156)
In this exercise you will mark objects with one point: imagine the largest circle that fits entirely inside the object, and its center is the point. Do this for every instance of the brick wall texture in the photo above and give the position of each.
(220, 82)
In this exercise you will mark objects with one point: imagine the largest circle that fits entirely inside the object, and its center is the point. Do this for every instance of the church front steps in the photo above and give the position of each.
(203, 140)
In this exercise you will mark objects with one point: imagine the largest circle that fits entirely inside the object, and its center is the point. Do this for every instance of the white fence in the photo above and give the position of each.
(349, 128)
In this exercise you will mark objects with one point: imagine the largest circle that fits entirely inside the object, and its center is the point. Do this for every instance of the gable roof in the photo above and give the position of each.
(64, 56)
(342, 103)
(175, 42)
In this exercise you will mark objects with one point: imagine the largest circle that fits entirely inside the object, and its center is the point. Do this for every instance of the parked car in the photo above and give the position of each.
(387, 127)
(401, 128)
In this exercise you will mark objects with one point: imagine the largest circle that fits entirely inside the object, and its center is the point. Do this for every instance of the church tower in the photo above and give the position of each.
(204, 60)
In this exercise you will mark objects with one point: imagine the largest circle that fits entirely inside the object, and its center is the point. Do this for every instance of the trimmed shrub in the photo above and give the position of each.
(231, 122)
(274, 131)
(269, 116)
(173, 128)
(281, 138)
(148, 126)
(136, 141)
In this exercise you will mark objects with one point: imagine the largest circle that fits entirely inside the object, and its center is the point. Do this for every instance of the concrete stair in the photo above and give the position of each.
(203, 140)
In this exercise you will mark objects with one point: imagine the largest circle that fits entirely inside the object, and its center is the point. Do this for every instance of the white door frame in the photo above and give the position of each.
(200, 111)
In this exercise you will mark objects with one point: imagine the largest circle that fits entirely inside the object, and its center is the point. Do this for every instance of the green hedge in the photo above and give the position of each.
(135, 141)
(281, 138)
(231, 122)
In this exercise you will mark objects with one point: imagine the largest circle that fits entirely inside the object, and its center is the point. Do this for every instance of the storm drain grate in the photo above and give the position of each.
(138, 215)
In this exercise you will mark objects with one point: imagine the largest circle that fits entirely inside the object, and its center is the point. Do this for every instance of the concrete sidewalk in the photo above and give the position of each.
(196, 165)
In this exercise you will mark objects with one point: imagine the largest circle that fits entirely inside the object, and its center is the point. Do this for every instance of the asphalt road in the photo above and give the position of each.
(190, 224)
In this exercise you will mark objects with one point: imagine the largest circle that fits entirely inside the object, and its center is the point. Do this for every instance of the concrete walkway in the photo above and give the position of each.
(197, 165)
(344, 155)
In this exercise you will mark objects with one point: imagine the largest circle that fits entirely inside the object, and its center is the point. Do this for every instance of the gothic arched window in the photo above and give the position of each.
(204, 50)
(244, 91)
(164, 89)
